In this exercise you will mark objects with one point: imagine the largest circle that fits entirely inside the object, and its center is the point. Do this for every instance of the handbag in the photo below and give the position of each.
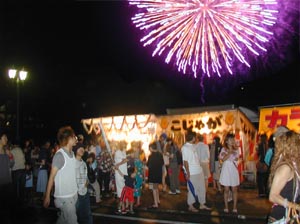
(291, 217)
(291, 213)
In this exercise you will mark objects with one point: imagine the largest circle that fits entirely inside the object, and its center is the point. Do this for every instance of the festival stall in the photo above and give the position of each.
(209, 121)
(212, 121)
(270, 117)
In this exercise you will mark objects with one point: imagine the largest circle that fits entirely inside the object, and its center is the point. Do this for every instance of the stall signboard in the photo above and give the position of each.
(206, 123)
(272, 117)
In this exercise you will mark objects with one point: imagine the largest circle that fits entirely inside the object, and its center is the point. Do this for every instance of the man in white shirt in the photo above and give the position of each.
(204, 156)
(63, 176)
(194, 173)
(18, 173)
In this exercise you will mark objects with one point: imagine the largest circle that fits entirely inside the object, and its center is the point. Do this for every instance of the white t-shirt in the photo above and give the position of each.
(203, 152)
(190, 155)
(65, 179)
(119, 156)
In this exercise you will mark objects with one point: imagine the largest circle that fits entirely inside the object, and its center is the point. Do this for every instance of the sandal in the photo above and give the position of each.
(234, 211)
(137, 205)
(153, 207)
(192, 209)
(204, 207)
(226, 210)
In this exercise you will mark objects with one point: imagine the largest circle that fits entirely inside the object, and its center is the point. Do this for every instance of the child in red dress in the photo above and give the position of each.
(128, 190)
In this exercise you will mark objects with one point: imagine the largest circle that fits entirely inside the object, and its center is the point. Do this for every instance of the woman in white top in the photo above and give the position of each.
(229, 176)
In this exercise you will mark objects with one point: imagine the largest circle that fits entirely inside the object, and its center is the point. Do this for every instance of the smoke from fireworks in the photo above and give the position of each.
(206, 36)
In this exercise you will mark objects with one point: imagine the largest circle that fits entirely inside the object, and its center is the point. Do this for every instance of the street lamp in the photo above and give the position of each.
(18, 76)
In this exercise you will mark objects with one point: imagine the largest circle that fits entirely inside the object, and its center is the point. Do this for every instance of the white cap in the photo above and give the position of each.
(280, 131)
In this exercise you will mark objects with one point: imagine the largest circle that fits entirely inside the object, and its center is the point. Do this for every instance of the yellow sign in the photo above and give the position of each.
(271, 118)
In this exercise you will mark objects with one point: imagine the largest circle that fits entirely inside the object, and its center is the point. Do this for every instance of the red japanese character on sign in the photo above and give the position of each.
(275, 117)
(295, 113)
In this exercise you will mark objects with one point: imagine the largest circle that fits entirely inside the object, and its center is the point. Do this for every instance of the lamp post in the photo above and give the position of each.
(18, 76)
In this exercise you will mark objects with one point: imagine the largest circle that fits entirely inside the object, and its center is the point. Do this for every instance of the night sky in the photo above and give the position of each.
(85, 60)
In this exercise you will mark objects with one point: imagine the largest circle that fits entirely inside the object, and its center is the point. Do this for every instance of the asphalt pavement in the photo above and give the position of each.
(251, 208)
(172, 209)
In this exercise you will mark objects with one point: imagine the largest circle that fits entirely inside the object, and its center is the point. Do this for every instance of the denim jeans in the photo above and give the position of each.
(83, 209)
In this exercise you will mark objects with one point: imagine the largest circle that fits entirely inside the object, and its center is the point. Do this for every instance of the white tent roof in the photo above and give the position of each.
(250, 114)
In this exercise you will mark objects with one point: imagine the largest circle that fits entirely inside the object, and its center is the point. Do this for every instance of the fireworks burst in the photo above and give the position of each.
(206, 35)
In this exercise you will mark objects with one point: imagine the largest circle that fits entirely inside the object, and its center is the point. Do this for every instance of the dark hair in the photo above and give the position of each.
(228, 136)
(153, 145)
(91, 155)
(64, 134)
(130, 170)
(76, 147)
(217, 139)
(169, 139)
(200, 137)
(190, 135)
(263, 137)
(271, 143)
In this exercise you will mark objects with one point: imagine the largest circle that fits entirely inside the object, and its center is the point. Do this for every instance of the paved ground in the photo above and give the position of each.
(172, 209)
(249, 205)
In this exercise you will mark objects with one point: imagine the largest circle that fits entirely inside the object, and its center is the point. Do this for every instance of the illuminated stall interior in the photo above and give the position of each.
(128, 127)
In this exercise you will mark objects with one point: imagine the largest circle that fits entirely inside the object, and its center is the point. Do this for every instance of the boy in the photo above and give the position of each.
(127, 191)
(83, 209)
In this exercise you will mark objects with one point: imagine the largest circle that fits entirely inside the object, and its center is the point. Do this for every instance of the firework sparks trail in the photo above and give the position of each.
(205, 36)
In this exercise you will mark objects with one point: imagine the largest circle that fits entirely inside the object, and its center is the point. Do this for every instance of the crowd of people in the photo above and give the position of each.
(73, 169)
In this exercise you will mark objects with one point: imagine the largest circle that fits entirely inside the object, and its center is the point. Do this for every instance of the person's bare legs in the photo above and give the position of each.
(157, 197)
(226, 192)
(155, 193)
(235, 198)
(219, 186)
(215, 184)
(131, 206)
(163, 181)
(138, 201)
(122, 205)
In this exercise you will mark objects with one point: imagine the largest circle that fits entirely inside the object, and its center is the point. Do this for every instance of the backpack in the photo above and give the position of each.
(179, 157)
(269, 156)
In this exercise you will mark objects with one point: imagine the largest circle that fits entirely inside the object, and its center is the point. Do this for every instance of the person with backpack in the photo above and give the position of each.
(174, 166)
(215, 166)
(270, 151)
(92, 175)
(261, 166)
